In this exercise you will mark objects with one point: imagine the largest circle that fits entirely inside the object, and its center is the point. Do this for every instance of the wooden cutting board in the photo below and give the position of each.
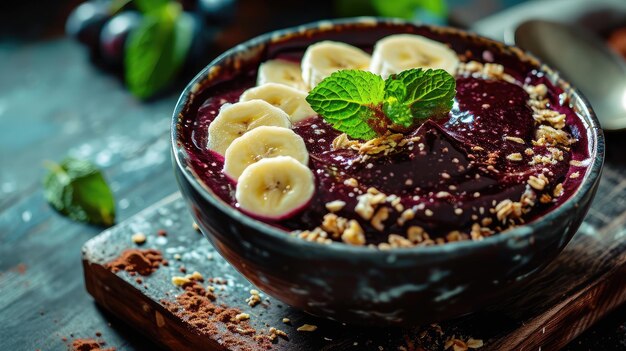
(582, 285)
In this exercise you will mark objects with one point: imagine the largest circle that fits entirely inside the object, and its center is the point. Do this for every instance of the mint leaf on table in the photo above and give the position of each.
(77, 189)
(418, 94)
(362, 105)
(157, 49)
(348, 100)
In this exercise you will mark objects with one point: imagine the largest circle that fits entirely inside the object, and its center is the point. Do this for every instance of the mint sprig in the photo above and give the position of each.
(347, 100)
(363, 105)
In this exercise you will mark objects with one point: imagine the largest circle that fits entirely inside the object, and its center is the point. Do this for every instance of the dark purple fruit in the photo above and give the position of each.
(86, 21)
(217, 12)
(189, 5)
(202, 46)
(113, 36)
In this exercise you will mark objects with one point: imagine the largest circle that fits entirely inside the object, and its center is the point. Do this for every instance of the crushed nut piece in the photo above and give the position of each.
(335, 206)
(514, 139)
(456, 344)
(381, 215)
(334, 224)
(416, 234)
(396, 241)
(353, 234)
(475, 343)
(536, 183)
(547, 135)
(545, 198)
(514, 157)
(406, 215)
(307, 328)
(366, 203)
(277, 332)
(254, 299)
(558, 190)
(180, 281)
(286, 320)
(351, 182)
(139, 238)
(195, 276)
(242, 317)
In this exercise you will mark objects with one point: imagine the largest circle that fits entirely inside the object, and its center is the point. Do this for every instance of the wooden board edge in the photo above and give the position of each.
(141, 313)
(572, 316)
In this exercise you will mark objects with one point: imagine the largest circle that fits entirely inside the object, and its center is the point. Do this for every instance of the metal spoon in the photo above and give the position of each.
(585, 61)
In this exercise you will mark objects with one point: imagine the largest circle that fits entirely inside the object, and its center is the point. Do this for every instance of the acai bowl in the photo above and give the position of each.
(376, 171)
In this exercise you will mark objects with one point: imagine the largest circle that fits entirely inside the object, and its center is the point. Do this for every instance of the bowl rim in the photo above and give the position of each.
(522, 232)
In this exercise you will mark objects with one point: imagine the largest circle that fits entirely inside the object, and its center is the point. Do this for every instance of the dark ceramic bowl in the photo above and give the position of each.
(358, 284)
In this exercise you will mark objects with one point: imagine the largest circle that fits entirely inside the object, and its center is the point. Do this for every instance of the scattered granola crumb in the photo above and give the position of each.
(180, 281)
(89, 345)
(242, 316)
(196, 276)
(307, 328)
(286, 320)
(139, 238)
(277, 332)
(254, 299)
(574, 175)
(195, 226)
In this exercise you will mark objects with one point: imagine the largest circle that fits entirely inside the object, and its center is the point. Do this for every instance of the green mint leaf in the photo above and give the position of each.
(157, 49)
(412, 9)
(348, 100)
(148, 6)
(77, 189)
(418, 94)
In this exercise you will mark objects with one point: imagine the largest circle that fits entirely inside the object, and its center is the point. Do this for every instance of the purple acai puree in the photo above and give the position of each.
(452, 177)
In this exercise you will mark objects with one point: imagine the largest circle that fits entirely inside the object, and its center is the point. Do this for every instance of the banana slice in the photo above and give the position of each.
(399, 52)
(275, 188)
(236, 119)
(323, 58)
(260, 143)
(288, 99)
(281, 72)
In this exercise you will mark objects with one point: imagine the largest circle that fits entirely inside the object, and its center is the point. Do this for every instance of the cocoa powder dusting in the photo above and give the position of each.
(144, 262)
(89, 345)
(196, 306)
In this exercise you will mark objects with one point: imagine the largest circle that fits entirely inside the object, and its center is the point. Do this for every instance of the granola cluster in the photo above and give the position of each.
(377, 212)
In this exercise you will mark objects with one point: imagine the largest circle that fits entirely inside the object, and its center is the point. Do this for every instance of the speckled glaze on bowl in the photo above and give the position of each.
(362, 285)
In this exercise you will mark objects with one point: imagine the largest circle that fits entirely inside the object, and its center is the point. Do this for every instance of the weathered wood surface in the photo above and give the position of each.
(54, 103)
(583, 285)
